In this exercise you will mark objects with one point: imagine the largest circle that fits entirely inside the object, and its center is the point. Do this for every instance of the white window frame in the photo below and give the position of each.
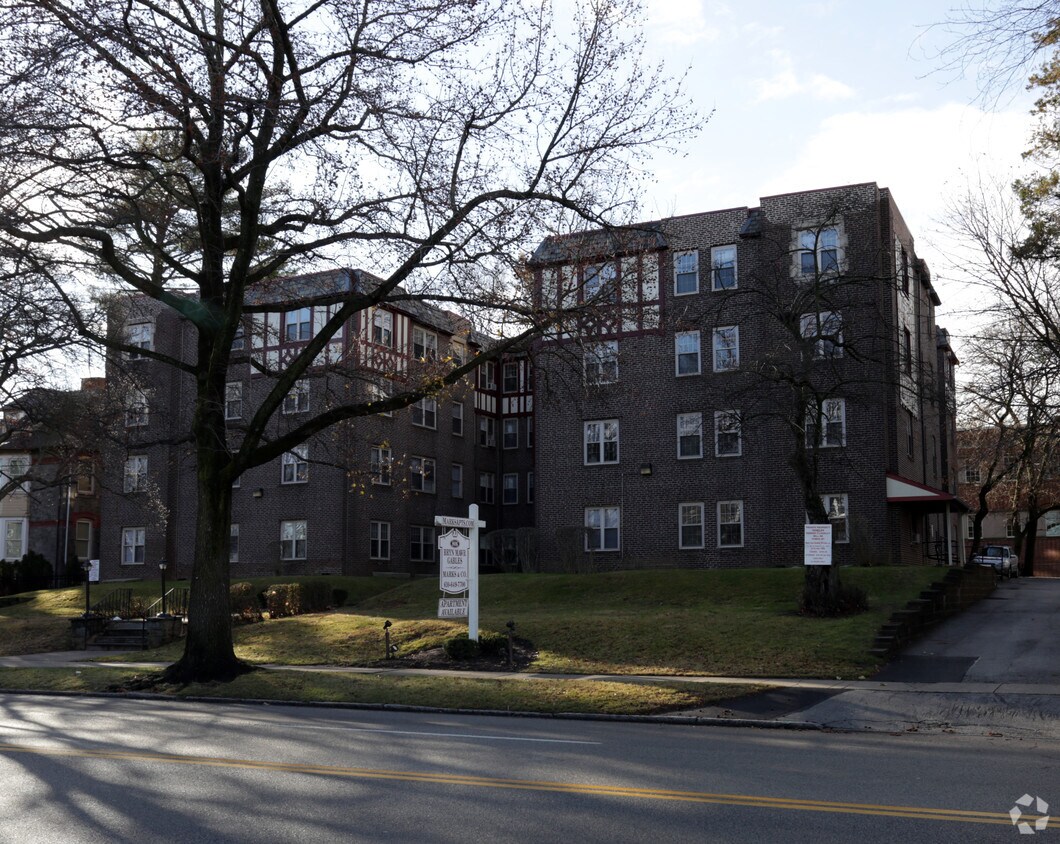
(6, 537)
(719, 261)
(818, 243)
(422, 536)
(838, 537)
(14, 466)
(969, 528)
(727, 422)
(510, 483)
(973, 475)
(686, 268)
(424, 413)
(294, 539)
(487, 484)
(140, 335)
(297, 400)
(86, 478)
(726, 355)
(597, 435)
(234, 400)
(137, 412)
(424, 344)
(134, 478)
(510, 425)
(690, 425)
(422, 474)
(457, 411)
(378, 540)
(301, 320)
(294, 465)
(724, 512)
(825, 328)
(380, 392)
(487, 378)
(487, 431)
(133, 538)
(689, 507)
(233, 543)
(678, 354)
(383, 328)
(600, 363)
(456, 480)
(600, 280)
(80, 540)
(506, 367)
(381, 462)
(597, 529)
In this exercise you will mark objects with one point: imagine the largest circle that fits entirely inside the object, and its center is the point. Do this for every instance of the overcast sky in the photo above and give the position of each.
(809, 95)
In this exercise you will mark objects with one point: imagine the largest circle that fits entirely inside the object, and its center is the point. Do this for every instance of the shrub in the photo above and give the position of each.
(461, 647)
(493, 644)
(243, 601)
(315, 595)
(283, 599)
(847, 600)
(338, 597)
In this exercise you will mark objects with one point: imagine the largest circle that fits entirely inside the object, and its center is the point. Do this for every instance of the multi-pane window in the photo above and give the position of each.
(529, 487)
(421, 474)
(600, 362)
(233, 544)
(458, 418)
(510, 432)
(380, 392)
(602, 528)
(458, 352)
(829, 430)
(141, 335)
(690, 525)
(234, 400)
(907, 351)
(686, 273)
(601, 442)
(510, 488)
(294, 465)
(825, 329)
(422, 543)
(381, 464)
(486, 483)
(819, 251)
(86, 478)
(726, 348)
(487, 375)
(135, 408)
(297, 325)
(686, 350)
(135, 473)
(835, 505)
(730, 524)
(727, 440)
(14, 467)
(969, 529)
(293, 536)
(379, 543)
(510, 377)
(239, 339)
(425, 413)
(456, 481)
(133, 544)
(12, 539)
(83, 539)
(972, 475)
(487, 431)
(689, 435)
(600, 281)
(424, 344)
(297, 401)
(383, 328)
(723, 267)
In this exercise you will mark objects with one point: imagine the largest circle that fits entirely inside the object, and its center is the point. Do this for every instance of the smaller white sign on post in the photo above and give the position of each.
(93, 573)
(817, 545)
(458, 565)
(452, 608)
(454, 554)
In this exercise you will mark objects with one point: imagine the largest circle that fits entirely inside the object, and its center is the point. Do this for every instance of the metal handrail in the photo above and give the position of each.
(116, 603)
(176, 601)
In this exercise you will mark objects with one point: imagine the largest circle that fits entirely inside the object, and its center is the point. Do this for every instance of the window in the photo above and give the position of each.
(600, 363)
(458, 351)
(819, 251)
(727, 440)
(86, 478)
(487, 376)
(969, 528)
(689, 435)
(135, 408)
(510, 432)
(297, 325)
(602, 528)
(972, 475)
(297, 401)
(601, 442)
(905, 271)
(485, 487)
(686, 273)
(13, 539)
(83, 539)
(425, 413)
(380, 392)
(421, 474)
(723, 267)
(424, 344)
(238, 339)
(293, 540)
(135, 474)
(380, 466)
(1012, 526)
(529, 487)
(133, 542)
(234, 400)
(422, 537)
(829, 431)
(487, 431)
(835, 505)
(529, 431)
(600, 281)
(726, 348)
(909, 439)
(13, 467)
(510, 378)
(233, 544)
(456, 481)
(690, 522)
(1052, 523)
(826, 330)
(383, 328)
(686, 349)
(379, 543)
(141, 335)
(294, 465)
(730, 524)
(458, 418)
(510, 488)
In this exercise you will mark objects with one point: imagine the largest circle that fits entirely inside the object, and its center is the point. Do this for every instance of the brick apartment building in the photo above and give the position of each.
(658, 443)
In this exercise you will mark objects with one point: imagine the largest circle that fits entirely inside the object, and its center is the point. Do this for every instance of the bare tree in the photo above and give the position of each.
(426, 141)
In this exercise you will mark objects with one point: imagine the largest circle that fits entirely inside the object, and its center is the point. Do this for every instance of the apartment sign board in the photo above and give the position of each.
(452, 608)
(454, 556)
(817, 545)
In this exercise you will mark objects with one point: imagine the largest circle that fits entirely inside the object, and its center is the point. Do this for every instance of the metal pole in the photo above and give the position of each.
(66, 537)
(472, 576)
(949, 534)
(162, 569)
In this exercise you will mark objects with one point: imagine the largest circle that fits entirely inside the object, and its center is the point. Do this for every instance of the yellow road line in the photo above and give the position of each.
(757, 801)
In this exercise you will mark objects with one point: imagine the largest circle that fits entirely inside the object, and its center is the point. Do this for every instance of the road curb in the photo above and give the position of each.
(681, 720)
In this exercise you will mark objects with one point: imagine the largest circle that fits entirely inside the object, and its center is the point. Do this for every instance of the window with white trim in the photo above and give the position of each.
(603, 528)
(601, 442)
(234, 400)
(135, 479)
(835, 505)
(422, 543)
(458, 352)
(723, 267)
(487, 431)
(510, 432)
(600, 362)
(825, 329)
(510, 488)
(819, 251)
(13, 467)
(83, 539)
(133, 544)
(380, 465)
(379, 540)
(686, 353)
(730, 524)
(690, 524)
(486, 483)
(456, 480)
(425, 413)
(421, 474)
(969, 528)
(233, 543)
(830, 428)
(689, 435)
(487, 375)
(294, 465)
(424, 344)
(510, 377)
(458, 418)
(13, 539)
(378, 392)
(297, 325)
(726, 348)
(293, 539)
(686, 273)
(136, 414)
(383, 328)
(600, 282)
(140, 335)
(727, 439)
(86, 478)
(297, 401)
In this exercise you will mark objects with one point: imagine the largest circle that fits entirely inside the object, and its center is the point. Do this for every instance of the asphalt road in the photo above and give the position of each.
(89, 769)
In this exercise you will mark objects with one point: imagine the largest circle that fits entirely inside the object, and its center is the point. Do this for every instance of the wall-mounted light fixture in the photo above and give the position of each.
(645, 470)
(258, 493)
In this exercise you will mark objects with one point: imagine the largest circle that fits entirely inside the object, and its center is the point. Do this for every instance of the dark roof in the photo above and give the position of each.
(602, 243)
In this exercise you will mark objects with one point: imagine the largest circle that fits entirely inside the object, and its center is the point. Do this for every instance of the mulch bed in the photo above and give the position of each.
(523, 651)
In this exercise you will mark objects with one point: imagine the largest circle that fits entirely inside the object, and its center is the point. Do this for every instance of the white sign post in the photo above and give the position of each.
(817, 545)
(458, 567)
(93, 573)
